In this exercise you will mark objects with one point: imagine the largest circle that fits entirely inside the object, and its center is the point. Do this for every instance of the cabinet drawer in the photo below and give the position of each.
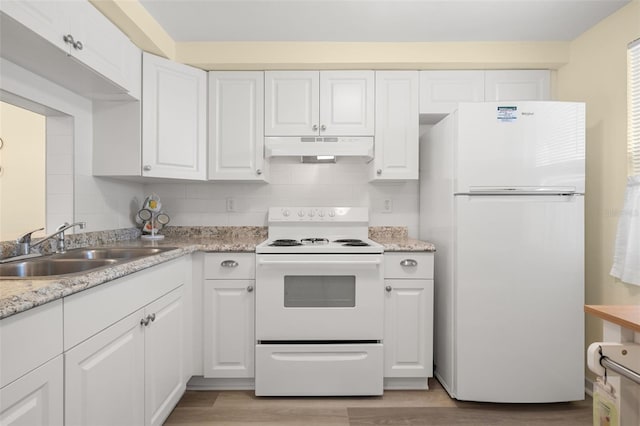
(416, 265)
(230, 266)
(29, 339)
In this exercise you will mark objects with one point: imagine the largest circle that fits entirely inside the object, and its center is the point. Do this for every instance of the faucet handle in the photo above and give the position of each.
(26, 237)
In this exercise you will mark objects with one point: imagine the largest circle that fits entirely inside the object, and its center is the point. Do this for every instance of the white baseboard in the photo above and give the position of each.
(202, 383)
(405, 383)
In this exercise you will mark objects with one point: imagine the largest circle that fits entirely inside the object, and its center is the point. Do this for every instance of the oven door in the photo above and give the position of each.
(319, 297)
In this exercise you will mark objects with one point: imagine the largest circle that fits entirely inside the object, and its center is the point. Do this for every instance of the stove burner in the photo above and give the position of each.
(314, 241)
(285, 243)
(356, 244)
(348, 240)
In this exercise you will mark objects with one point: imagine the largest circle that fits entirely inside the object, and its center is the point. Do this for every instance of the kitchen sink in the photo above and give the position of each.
(111, 253)
(50, 267)
(75, 261)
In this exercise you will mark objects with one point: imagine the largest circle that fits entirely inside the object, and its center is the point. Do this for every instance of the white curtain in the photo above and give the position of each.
(626, 260)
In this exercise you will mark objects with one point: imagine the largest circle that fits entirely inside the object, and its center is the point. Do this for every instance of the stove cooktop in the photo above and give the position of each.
(319, 245)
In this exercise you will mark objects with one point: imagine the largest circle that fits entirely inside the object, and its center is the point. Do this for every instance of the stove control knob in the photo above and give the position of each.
(321, 213)
(332, 213)
(285, 213)
(311, 213)
(301, 213)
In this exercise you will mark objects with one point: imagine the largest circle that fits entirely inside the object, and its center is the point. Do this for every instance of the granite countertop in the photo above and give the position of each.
(18, 295)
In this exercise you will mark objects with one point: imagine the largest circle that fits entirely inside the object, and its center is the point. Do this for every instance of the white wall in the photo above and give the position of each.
(292, 184)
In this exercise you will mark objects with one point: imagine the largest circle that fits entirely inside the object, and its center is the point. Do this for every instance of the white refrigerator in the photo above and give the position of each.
(502, 198)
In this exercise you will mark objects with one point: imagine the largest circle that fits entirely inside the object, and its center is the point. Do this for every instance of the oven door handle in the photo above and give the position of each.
(319, 262)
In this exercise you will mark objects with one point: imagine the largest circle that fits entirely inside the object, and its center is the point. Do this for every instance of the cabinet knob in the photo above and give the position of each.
(408, 262)
(314, 127)
(259, 172)
(250, 288)
(68, 38)
(144, 321)
(152, 317)
(323, 127)
(146, 168)
(229, 264)
(78, 45)
(379, 172)
(388, 288)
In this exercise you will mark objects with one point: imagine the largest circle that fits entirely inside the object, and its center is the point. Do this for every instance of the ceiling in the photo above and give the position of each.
(378, 20)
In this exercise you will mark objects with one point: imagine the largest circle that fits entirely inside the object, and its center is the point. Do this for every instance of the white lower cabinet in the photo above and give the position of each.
(408, 333)
(229, 300)
(36, 398)
(164, 357)
(104, 376)
(130, 373)
(229, 330)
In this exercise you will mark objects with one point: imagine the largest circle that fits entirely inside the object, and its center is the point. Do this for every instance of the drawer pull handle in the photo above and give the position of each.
(408, 262)
(250, 288)
(388, 288)
(229, 264)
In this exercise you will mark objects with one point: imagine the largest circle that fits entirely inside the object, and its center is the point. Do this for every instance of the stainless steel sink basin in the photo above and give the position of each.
(111, 253)
(50, 267)
(75, 261)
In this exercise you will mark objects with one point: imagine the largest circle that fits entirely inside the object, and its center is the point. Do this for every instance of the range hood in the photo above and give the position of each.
(338, 146)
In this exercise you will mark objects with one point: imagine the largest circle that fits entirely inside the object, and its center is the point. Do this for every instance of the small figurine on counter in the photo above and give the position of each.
(151, 218)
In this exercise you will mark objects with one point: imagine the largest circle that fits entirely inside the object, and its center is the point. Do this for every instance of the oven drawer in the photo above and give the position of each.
(231, 266)
(319, 370)
(412, 265)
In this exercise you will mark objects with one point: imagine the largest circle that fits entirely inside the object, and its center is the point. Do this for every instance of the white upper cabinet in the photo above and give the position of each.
(52, 38)
(236, 125)
(319, 103)
(347, 103)
(292, 103)
(517, 85)
(397, 134)
(174, 114)
(442, 90)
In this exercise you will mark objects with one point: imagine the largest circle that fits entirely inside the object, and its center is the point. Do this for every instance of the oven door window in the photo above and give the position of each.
(319, 291)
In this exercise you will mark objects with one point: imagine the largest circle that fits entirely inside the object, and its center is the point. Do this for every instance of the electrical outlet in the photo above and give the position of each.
(387, 206)
(231, 204)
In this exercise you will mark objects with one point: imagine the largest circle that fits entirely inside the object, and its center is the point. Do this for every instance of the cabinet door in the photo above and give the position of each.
(36, 398)
(104, 376)
(164, 357)
(173, 119)
(292, 103)
(347, 103)
(47, 18)
(441, 91)
(408, 334)
(236, 125)
(517, 85)
(397, 135)
(103, 47)
(229, 341)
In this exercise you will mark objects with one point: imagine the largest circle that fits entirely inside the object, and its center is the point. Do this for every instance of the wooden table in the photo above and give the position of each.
(621, 324)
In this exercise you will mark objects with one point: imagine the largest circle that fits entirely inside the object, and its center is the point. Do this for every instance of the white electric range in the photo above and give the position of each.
(319, 304)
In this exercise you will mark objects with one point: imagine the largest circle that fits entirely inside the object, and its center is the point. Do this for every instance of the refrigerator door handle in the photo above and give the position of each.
(518, 191)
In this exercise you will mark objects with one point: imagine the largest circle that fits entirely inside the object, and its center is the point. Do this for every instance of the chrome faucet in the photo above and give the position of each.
(58, 234)
(24, 242)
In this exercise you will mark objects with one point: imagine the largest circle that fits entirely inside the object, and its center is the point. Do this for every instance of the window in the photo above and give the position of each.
(626, 261)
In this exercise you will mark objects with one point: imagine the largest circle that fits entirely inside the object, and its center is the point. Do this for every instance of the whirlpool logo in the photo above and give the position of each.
(528, 113)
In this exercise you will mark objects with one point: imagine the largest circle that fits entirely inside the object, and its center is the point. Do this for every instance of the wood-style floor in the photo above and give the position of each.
(407, 408)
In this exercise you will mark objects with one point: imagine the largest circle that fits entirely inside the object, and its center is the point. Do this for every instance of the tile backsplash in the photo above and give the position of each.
(345, 183)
